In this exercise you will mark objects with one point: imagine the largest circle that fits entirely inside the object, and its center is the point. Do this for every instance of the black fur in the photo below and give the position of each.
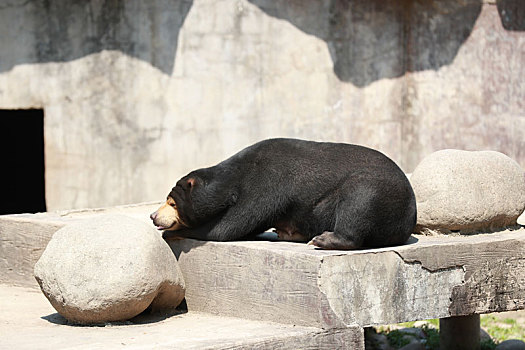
(348, 196)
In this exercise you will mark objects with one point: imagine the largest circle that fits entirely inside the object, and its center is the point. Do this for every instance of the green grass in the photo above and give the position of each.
(499, 329)
(432, 336)
(434, 322)
(397, 339)
(504, 329)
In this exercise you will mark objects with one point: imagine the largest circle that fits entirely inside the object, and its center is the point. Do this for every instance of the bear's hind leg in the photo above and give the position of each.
(354, 222)
(329, 240)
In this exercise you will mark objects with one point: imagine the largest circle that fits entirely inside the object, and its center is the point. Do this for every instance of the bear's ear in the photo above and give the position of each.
(190, 182)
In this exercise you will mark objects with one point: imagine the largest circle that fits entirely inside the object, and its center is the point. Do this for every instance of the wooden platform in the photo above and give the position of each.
(432, 277)
(297, 285)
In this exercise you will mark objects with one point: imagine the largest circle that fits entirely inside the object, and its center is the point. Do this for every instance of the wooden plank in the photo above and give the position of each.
(285, 282)
(297, 284)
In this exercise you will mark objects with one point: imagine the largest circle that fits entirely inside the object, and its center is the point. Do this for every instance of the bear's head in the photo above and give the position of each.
(168, 216)
(196, 199)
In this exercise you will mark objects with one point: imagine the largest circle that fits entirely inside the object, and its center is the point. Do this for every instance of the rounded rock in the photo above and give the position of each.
(413, 331)
(108, 269)
(512, 344)
(484, 335)
(468, 191)
(414, 346)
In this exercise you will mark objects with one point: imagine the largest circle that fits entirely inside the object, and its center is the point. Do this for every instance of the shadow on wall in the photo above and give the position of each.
(376, 39)
(42, 31)
(368, 40)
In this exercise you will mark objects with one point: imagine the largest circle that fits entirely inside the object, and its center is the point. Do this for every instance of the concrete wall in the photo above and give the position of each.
(137, 93)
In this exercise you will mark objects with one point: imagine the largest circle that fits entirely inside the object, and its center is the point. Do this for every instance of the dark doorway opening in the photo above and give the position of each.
(22, 161)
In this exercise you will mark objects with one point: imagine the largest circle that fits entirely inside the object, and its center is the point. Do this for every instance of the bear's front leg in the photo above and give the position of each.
(237, 222)
(171, 235)
(200, 232)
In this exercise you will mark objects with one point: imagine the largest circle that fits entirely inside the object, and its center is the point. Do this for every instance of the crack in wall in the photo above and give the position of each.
(386, 288)
(431, 270)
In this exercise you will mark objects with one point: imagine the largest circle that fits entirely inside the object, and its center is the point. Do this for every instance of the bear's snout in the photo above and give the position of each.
(167, 216)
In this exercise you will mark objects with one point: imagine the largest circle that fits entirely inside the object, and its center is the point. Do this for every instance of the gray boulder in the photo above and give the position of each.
(109, 269)
(512, 344)
(414, 346)
(484, 335)
(468, 191)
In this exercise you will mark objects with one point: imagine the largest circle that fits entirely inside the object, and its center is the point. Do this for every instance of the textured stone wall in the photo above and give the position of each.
(138, 93)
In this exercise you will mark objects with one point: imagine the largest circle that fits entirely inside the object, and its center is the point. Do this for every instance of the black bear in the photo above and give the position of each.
(337, 196)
